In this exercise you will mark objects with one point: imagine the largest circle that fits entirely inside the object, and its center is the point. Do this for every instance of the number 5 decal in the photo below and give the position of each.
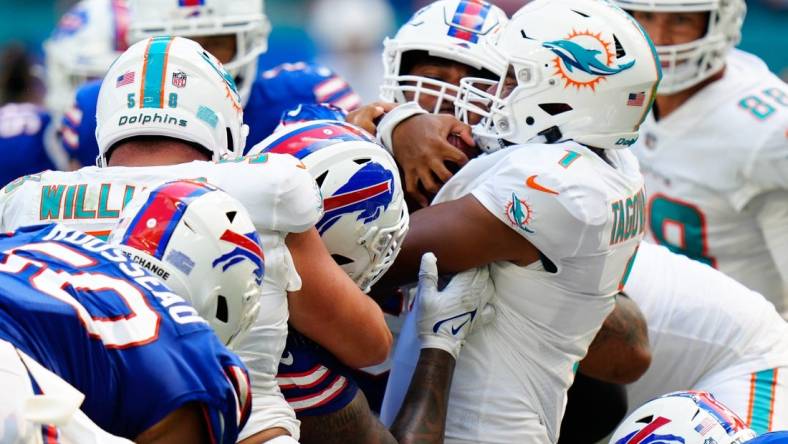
(681, 227)
(138, 326)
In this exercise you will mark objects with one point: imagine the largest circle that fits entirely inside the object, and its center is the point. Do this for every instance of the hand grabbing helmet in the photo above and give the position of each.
(683, 417)
(449, 29)
(365, 215)
(244, 19)
(204, 247)
(569, 69)
(687, 64)
(171, 87)
(83, 45)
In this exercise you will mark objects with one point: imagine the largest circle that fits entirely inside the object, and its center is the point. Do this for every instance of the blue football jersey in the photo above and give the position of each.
(311, 379)
(111, 329)
(78, 127)
(24, 132)
(285, 87)
(275, 91)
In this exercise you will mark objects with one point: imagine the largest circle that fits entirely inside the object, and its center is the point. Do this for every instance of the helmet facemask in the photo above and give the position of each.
(687, 64)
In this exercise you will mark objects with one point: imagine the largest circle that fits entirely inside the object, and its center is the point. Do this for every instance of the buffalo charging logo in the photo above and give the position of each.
(584, 59)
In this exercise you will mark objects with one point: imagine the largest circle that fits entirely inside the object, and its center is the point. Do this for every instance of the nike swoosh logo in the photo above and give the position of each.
(471, 314)
(287, 360)
(531, 183)
(455, 330)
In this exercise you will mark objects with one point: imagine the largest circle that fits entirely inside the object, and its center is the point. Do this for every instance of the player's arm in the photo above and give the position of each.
(620, 352)
(186, 424)
(331, 310)
(463, 234)
(421, 419)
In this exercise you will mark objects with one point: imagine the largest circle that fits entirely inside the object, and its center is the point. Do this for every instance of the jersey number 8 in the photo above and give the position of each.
(666, 213)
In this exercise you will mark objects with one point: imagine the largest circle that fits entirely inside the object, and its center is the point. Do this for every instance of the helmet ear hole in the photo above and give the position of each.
(341, 260)
(221, 309)
(231, 215)
(321, 178)
(230, 144)
(362, 160)
(620, 52)
(555, 109)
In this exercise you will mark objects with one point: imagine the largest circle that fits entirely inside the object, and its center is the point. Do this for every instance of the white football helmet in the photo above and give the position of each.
(171, 87)
(449, 29)
(569, 69)
(683, 417)
(202, 244)
(88, 38)
(688, 64)
(365, 218)
(245, 19)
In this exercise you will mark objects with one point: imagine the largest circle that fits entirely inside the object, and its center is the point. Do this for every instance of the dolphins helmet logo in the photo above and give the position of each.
(247, 247)
(647, 434)
(369, 191)
(519, 213)
(584, 59)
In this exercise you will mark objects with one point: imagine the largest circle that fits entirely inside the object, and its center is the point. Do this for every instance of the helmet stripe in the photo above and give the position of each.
(152, 227)
(468, 20)
(154, 72)
(305, 141)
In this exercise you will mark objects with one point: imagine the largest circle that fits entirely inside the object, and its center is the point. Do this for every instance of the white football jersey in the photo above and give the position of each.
(280, 196)
(586, 217)
(707, 160)
(703, 326)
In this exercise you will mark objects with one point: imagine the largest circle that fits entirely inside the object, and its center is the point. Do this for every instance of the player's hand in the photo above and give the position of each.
(420, 145)
(366, 117)
(448, 316)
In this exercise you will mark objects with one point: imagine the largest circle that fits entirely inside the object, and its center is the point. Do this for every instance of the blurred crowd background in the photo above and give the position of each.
(346, 35)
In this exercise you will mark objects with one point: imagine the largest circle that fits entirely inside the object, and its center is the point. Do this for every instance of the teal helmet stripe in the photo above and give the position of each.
(154, 71)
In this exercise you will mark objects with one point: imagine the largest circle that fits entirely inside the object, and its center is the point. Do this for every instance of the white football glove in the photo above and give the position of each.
(447, 317)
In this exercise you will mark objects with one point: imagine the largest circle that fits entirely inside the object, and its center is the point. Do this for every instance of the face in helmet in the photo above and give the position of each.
(683, 417)
(202, 244)
(170, 87)
(692, 39)
(87, 39)
(567, 69)
(440, 44)
(235, 31)
(365, 217)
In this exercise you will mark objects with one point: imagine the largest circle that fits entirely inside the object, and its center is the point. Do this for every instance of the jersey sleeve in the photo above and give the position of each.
(276, 189)
(768, 168)
(77, 131)
(541, 203)
(261, 350)
(299, 204)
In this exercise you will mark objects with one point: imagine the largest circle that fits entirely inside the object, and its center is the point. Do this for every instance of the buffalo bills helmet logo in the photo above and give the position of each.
(648, 435)
(247, 248)
(369, 191)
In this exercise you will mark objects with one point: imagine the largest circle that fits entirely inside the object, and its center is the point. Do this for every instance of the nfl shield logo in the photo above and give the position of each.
(179, 79)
